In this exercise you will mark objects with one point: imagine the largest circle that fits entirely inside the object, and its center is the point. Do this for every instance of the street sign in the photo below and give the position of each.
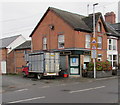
(94, 44)
(94, 40)
(94, 47)
(93, 54)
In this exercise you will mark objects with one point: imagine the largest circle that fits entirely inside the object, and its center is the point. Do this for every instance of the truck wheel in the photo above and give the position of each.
(24, 74)
(39, 76)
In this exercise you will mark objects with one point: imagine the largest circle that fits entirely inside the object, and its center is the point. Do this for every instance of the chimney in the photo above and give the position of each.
(110, 17)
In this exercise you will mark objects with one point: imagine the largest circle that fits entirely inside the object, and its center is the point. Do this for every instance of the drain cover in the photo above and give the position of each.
(11, 86)
(66, 90)
(33, 84)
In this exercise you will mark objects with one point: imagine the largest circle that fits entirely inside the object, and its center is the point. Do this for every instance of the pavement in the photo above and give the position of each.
(17, 89)
(14, 82)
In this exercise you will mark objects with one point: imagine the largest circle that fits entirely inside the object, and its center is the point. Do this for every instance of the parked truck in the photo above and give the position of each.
(42, 64)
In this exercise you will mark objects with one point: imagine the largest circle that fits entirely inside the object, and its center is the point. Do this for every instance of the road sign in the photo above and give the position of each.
(94, 47)
(94, 44)
(93, 54)
(94, 40)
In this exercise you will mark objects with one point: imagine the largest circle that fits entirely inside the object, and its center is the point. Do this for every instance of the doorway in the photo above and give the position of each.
(74, 65)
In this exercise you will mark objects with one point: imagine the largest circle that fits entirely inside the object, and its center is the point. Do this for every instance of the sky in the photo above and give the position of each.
(21, 16)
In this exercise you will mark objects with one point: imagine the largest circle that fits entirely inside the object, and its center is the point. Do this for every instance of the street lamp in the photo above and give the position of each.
(94, 36)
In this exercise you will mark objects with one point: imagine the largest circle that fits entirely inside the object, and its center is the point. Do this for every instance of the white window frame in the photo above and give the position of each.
(112, 60)
(113, 44)
(44, 43)
(100, 42)
(61, 41)
(87, 41)
(99, 27)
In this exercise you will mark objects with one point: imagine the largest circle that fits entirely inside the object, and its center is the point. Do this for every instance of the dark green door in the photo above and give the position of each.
(74, 65)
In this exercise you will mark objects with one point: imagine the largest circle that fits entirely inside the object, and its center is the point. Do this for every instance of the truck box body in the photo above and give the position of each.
(43, 62)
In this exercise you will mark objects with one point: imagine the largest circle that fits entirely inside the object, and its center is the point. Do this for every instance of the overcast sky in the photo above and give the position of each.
(21, 16)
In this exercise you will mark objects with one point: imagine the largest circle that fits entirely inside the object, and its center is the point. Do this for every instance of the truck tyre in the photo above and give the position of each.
(39, 76)
(24, 74)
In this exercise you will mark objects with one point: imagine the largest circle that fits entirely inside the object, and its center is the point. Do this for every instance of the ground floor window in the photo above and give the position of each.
(113, 60)
(86, 59)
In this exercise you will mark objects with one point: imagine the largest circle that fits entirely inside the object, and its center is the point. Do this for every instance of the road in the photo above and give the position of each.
(73, 91)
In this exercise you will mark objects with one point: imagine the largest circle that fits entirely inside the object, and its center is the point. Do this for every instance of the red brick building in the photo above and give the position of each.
(116, 27)
(16, 58)
(7, 45)
(113, 38)
(71, 35)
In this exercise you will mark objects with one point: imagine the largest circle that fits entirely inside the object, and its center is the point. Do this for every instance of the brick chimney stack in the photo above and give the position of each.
(110, 17)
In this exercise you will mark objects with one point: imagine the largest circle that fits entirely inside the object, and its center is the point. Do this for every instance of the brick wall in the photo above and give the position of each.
(15, 60)
(11, 62)
(110, 17)
(102, 34)
(43, 30)
(73, 39)
(20, 60)
(3, 54)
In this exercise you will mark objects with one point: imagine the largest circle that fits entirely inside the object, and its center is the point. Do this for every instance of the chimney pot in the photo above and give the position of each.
(110, 17)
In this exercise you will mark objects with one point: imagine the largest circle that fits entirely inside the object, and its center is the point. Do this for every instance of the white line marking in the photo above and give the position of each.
(20, 90)
(27, 99)
(86, 89)
(62, 84)
(75, 83)
(44, 87)
(106, 78)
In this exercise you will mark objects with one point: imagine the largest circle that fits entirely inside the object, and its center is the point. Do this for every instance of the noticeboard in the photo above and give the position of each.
(93, 54)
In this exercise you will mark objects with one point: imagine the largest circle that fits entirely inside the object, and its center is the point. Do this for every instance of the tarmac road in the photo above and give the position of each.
(78, 90)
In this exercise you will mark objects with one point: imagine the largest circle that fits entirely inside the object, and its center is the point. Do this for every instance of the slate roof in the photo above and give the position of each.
(7, 41)
(116, 26)
(76, 21)
(79, 22)
(112, 31)
(25, 45)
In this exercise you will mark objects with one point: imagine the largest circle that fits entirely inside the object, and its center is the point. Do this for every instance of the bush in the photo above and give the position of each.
(90, 66)
(100, 65)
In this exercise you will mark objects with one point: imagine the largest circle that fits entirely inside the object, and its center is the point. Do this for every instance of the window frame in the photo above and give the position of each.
(87, 42)
(61, 42)
(44, 44)
(100, 42)
(112, 60)
(113, 44)
(99, 27)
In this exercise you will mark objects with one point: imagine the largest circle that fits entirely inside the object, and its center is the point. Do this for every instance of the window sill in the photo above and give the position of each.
(60, 48)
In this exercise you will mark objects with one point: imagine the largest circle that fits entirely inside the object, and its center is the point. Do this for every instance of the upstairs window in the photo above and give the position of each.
(112, 44)
(87, 41)
(99, 42)
(44, 43)
(61, 41)
(99, 27)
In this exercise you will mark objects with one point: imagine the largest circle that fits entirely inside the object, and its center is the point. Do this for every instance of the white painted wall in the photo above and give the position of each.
(16, 43)
(3, 67)
(87, 58)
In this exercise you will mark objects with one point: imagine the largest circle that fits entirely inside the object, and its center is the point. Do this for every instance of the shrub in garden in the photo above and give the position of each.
(100, 65)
